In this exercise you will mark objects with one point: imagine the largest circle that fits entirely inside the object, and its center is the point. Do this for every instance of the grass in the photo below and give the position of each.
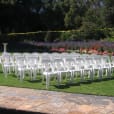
(97, 87)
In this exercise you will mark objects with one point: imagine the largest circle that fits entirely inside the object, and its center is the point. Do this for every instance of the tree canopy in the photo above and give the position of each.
(34, 15)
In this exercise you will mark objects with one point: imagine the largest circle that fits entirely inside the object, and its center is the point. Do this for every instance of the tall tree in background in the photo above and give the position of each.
(27, 13)
(33, 15)
(6, 18)
(109, 13)
(94, 13)
(73, 17)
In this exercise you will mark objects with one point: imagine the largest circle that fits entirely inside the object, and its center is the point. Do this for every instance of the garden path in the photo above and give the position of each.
(51, 102)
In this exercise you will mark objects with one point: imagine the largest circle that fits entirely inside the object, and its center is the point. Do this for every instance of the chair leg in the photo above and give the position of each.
(82, 75)
(100, 73)
(6, 72)
(109, 73)
(22, 75)
(91, 74)
(72, 76)
(58, 79)
(47, 81)
(34, 74)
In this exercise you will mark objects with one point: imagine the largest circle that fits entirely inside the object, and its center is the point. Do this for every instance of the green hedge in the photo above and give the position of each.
(15, 39)
(51, 36)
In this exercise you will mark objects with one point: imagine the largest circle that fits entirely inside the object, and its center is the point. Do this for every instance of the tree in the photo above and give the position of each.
(109, 13)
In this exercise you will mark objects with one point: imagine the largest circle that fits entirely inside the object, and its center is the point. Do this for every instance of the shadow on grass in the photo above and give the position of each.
(73, 83)
(86, 82)
(13, 75)
(62, 86)
(35, 81)
(103, 79)
(13, 111)
(1, 72)
(68, 84)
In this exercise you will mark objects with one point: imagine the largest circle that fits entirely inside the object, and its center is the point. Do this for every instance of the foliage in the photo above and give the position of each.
(56, 20)
(109, 13)
(35, 15)
(89, 31)
(65, 36)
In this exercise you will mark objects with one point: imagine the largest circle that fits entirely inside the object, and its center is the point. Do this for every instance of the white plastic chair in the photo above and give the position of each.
(31, 66)
(60, 67)
(106, 65)
(97, 66)
(89, 67)
(20, 67)
(70, 66)
(7, 64)
(48, 71)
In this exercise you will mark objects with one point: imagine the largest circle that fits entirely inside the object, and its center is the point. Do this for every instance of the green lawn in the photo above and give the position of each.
(104, 87)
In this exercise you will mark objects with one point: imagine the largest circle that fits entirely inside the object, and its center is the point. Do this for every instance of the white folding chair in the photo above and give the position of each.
(20, 67)
(31, 64)
(59, 67)
(7, 64)
(48, 70)
(106, 65)
(70, 66)
(88, 67)
(97, 66)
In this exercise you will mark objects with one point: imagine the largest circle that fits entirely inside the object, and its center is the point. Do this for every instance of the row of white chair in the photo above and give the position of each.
(83, 66)
(57, 64)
